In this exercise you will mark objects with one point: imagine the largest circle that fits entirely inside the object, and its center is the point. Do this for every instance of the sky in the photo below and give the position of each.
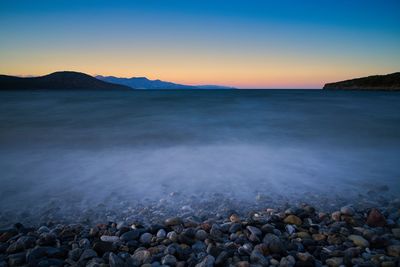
(246, 44)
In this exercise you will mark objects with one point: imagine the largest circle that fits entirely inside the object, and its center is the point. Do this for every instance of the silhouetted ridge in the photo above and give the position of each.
(62, 80)
(144, 83)
(376, 82)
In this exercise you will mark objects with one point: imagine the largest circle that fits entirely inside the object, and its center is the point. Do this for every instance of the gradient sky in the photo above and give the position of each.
(247, 44)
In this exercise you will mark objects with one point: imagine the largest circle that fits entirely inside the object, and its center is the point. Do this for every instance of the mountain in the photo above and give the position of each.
(144, 83)
(63, 80)
(376, 82)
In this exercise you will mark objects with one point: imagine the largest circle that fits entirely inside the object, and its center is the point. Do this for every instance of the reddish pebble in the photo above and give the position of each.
(376, 219)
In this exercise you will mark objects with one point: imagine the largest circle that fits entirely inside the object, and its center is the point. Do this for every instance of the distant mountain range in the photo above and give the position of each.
(144, 83)
(70, 80)
(376, 82)
(62, 80)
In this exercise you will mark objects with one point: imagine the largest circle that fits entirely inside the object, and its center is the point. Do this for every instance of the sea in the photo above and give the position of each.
(90, 148)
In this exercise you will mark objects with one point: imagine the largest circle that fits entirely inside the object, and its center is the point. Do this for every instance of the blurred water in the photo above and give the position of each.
(88, 146)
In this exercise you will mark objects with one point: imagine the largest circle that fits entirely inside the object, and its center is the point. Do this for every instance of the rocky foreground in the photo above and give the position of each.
(296, 236)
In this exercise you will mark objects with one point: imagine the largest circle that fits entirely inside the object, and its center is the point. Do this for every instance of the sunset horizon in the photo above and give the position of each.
(263, 45)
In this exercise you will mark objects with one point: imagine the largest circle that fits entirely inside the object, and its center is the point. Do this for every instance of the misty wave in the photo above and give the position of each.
(143, 147)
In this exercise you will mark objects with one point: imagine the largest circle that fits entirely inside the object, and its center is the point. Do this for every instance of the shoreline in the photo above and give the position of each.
(291, 236)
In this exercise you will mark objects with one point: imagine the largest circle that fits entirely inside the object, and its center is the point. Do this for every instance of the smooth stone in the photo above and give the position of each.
(84, 243)
(247, 248)
(347, 210)
(235, 227)
(359, 240)
(318, 237)
(173, 221)
(51, 263)
(169, 260)
(274, 262)
(388, 264)
(173, 236)
(43, 229)
(115, 261)
(122, 225)
(109, 238)
(146, 238)
(199, 247)
(242, 264)
(142, 256)
(102, 247)
(375, 218)
(334, 262)
(47, 239)
(87, 254)
(396, 232)
(267, 228)
(303, 235)
(16, 259)
(95, 262)
(336, 216)
(130, 235)
(292, 211)
(393, 250)
(235, 218)
(208, 261)
(75, 254)
(274, 243)
(201, 235)
(22, 243)
(221, 259)
(304, 256)
(290, 229)
(161, 233)
(36, 253)
(254, 230)
(256, 257)
(293, 219)
(5, 236)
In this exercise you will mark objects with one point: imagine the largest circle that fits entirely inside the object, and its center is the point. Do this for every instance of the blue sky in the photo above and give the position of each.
(249, 44)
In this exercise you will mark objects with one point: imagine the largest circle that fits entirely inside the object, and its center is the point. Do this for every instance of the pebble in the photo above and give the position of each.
(359, 241)
(208, 261)
(173, 221)
(290, 229)
(396, 232)
(169, 260)
(234, 218)
(130, 235)
(336, 216)
(141, 257)
(161, 233)
(146, 238)
(318, 237)
(254, 230)
(201, 235)
(172, 236)
(87, 254)
(108, 238)
(347, 210)
(115, 261)
(293, 219)
(274, 243)
(393, 250)
(376, 219)
(297, 236)
(334, 262)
